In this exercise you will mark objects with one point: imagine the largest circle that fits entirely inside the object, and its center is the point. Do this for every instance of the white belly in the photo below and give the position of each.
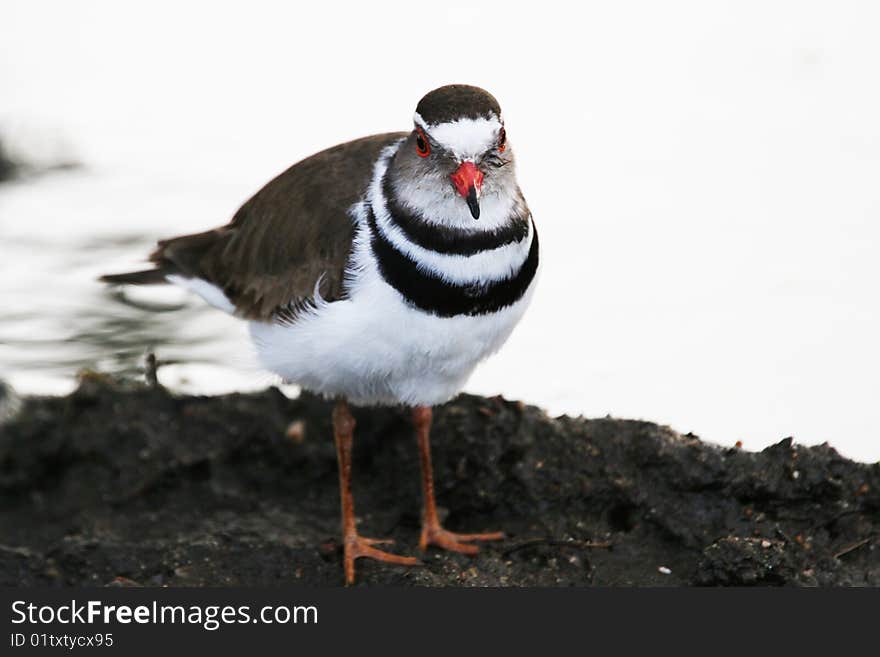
(373, 348)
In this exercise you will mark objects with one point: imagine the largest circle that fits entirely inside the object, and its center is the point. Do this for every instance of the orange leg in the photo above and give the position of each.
(432, 532)
(355, 546)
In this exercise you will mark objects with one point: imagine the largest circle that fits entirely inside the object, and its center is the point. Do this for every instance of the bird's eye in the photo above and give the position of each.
(502, 140)
(423, 148)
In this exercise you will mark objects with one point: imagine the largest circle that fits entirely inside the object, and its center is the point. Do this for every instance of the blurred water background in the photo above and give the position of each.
(705, 177)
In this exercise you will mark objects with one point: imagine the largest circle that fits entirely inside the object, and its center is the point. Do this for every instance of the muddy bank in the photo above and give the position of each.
(121, 480)
(8, 168)
(52, 156)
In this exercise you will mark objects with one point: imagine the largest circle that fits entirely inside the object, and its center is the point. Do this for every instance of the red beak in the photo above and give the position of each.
(468, 181)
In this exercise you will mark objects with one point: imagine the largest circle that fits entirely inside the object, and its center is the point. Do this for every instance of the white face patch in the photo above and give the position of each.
(466, 138)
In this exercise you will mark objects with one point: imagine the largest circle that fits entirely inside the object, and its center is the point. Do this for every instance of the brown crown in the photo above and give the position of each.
(457, 101)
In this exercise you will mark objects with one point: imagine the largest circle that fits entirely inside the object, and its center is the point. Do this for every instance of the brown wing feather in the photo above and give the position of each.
(293, 232)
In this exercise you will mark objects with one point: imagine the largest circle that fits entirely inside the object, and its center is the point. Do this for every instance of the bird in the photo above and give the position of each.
(378, 272)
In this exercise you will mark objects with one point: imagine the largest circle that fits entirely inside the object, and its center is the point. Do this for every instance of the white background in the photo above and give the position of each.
(705, 177)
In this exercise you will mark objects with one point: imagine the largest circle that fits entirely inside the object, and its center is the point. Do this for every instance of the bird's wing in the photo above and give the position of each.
(292, 237)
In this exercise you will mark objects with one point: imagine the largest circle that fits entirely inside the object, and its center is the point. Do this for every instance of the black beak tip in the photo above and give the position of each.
(473, 203)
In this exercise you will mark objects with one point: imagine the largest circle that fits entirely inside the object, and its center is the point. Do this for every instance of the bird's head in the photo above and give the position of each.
(457, 153)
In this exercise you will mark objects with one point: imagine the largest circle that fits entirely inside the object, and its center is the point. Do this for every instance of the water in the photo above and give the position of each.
(704, 177)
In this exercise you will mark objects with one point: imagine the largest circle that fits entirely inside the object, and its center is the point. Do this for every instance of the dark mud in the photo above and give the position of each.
(13, 167)
(125, 483)
(8, 168)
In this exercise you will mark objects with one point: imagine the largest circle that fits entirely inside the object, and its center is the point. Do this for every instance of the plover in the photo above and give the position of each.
(377, 272)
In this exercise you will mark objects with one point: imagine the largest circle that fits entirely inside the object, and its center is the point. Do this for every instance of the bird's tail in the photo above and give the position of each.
(145, 277)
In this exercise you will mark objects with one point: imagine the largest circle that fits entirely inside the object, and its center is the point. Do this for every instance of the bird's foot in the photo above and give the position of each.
(358, 546)
(434, 534)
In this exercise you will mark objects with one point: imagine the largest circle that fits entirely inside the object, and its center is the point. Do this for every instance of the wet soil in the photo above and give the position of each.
(130, 484)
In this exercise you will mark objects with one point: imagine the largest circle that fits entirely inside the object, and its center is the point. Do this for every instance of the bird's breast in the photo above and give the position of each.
(443, 270)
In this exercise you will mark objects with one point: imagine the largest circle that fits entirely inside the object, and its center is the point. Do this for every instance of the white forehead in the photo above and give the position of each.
(466, 138)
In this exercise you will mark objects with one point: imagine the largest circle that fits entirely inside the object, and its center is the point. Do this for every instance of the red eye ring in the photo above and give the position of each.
(423, 146)
(502, 140)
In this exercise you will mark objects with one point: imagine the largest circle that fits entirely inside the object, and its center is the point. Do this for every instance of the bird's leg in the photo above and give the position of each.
(354, 545)
(432, 532)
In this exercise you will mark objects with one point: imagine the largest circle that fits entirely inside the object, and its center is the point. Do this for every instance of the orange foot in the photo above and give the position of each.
(434, 534)
(358, 546)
